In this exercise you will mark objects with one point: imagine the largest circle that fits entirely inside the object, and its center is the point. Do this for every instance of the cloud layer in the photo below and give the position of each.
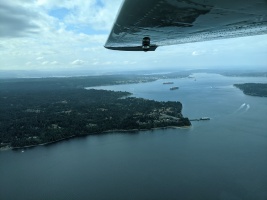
(17, 21)
(62, 34)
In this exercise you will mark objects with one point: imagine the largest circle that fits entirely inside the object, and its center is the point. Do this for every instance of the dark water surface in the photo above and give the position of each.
(224, 158)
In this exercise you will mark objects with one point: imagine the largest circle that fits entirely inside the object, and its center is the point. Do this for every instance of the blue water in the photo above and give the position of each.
(224, 158)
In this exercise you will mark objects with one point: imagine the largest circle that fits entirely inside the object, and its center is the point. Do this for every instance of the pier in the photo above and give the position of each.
(200, 119)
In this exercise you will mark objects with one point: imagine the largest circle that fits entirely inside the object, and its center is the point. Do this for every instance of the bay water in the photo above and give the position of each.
(224, 158)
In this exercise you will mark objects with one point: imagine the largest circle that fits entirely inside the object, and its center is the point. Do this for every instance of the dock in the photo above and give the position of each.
(200, 119)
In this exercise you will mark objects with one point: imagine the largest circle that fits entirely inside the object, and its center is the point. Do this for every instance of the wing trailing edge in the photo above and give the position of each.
(169, 22)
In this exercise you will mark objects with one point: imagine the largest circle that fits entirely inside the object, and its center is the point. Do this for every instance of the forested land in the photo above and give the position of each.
(38, 111)
(253, 89)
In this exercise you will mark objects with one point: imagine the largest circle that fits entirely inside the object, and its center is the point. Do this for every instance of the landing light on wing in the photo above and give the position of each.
(146, 44)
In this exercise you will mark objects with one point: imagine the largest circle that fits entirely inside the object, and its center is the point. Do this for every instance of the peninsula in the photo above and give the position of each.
(253, 89)
(40, 111)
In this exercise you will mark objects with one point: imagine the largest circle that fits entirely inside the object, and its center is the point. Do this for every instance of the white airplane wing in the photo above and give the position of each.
(169, 22)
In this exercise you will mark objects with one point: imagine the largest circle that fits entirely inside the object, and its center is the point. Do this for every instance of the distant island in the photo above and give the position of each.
(42, 111)
(253, 89)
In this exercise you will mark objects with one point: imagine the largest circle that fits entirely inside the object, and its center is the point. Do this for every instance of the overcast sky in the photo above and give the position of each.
(65, 34)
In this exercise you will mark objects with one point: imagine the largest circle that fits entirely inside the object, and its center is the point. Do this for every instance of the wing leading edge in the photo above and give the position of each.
(169, 22)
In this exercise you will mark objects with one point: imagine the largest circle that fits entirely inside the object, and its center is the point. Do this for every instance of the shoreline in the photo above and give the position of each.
(104, 132)
(137, 130)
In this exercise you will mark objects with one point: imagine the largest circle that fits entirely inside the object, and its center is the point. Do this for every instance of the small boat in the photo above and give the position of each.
(168, 83)
(204, 118)
(174, 88)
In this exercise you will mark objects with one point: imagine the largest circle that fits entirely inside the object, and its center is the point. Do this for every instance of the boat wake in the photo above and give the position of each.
(243, 108)
(248, 107)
